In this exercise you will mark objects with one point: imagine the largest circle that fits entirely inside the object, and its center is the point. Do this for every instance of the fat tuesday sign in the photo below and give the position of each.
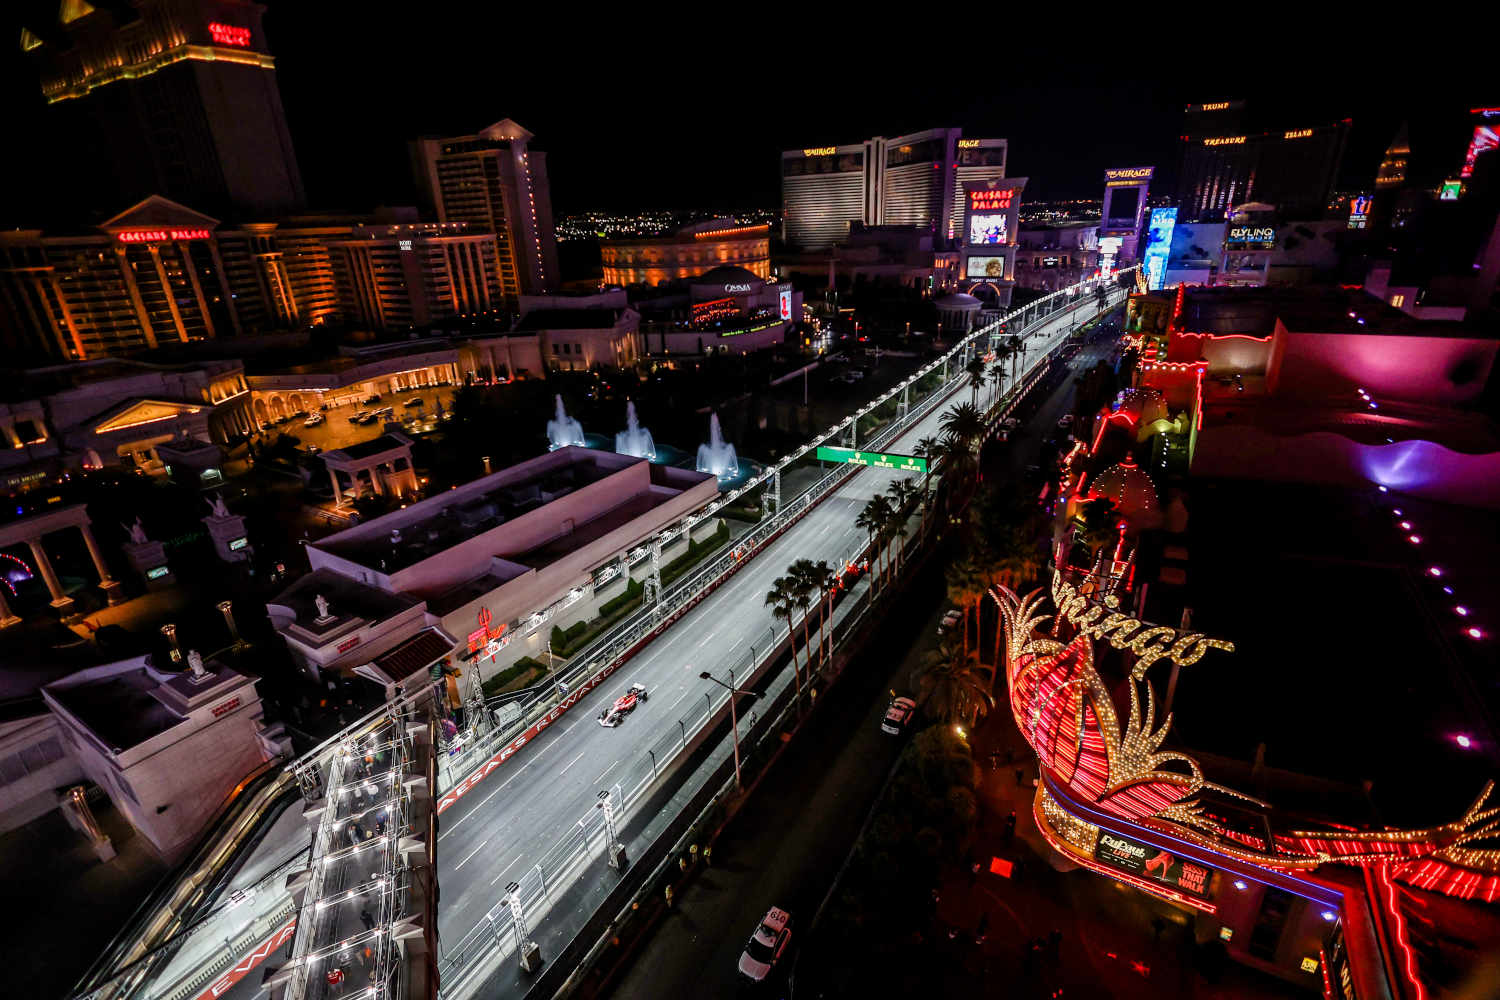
(1149, 642)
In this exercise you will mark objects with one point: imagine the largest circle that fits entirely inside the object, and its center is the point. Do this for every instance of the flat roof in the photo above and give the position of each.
(1349, 664)
(120, 708)
(346, 599)
(568, 319)
(438, 523)
(1321, 309)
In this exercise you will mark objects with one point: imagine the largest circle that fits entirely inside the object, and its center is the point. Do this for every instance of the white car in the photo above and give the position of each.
(950, 620)
(766, 944)
(314, 420)
(1066, 420)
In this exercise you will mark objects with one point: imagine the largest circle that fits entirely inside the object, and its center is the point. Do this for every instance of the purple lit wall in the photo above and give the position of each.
(1420, 468)
(1435, 371)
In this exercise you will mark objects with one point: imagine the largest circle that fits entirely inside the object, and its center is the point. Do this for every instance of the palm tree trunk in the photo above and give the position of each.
(806, 642)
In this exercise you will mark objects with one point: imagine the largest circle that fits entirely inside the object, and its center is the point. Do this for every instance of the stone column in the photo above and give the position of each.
(186, 254)
(141, 315)
(7, 618)
(60, 600)
(166, 289)
(338, 497)
(111, 587)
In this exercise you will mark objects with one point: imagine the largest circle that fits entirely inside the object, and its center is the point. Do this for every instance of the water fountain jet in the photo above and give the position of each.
(563, 430)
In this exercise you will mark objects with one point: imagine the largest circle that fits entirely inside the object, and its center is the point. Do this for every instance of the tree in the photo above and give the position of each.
(965, 589)
(997, 379)
(803, 575)
(963, 422)
(822, 575)
(975, 368)
(780, 599)
(950, 690)
(873, 517)
(903, 494)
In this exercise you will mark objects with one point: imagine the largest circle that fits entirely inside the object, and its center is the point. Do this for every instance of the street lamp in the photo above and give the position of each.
(734, 719)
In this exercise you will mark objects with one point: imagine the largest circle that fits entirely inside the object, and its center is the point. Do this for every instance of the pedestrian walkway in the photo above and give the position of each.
(1106, 939)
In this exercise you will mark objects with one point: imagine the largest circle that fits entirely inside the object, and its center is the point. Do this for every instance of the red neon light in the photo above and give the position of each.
(1223, 336)
(160, 235)
(256, 956)
(1115, 873)
(1001, 867)
(1388, 889)
(229, 34)
(988, 201)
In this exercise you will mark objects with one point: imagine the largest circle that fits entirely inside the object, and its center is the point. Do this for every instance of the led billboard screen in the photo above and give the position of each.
(987, 230)
(985, 267)
(1158, 246)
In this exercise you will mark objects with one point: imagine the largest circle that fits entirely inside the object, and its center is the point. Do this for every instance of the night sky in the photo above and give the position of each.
(641, 113)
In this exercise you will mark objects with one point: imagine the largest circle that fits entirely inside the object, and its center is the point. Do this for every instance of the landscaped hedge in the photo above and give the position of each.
(695, 551)
(510, 673)
(632, 592)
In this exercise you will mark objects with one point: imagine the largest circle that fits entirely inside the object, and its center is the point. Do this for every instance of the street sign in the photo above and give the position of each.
(874, 459)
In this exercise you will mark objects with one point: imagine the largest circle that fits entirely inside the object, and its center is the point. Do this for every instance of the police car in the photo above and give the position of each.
(766, 945)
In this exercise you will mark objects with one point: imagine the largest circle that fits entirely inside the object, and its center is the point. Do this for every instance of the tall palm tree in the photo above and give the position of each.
(963, 422)
(1013, 348)
(903, 494)
(804, 577)
(950, 689)
(819, 576)
(965, 589)
(872, 517)
(780, 599)
(975, 368)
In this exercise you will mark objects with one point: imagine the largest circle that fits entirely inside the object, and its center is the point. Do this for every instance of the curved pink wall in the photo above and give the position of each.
(1420, 468)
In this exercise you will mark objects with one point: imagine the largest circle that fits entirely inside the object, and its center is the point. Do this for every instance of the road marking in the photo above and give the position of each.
(571, 763)
(475, 851)
(679, 700)
(707, 639)
(482, 801)
(606, 771)
(507, 870)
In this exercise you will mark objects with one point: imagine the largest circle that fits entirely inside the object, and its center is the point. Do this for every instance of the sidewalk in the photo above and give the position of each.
(1115, 940)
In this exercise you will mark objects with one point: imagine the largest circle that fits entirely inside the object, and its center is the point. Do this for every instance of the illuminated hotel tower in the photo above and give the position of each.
(495, 181)
(909, 180)
(176, 98)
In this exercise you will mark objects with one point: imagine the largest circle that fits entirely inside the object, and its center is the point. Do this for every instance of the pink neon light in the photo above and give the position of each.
(1224, 336)
(1383, 876)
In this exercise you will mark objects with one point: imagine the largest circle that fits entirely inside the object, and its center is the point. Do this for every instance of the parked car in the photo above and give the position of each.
(358, 416)
(950, 620)
(414, 401)
(1065, 421)
(898, 715)
(766, 945)
(372, 400)
(314, 420)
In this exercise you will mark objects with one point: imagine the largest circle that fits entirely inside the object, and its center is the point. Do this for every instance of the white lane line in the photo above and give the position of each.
(504, 873)
(679, 699)
(571, 763)
(707, 639)
(482, 801)
(475, 851)
(606, 771)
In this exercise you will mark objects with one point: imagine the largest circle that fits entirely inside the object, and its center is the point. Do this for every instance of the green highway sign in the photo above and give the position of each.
(874, 459)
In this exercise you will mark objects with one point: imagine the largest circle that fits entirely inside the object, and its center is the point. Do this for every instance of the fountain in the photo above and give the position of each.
(563, 431)
(718, 455)
(635, 439)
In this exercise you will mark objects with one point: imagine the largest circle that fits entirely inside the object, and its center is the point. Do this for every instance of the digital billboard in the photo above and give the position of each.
(985, 267)
(785, 297)
(1109, 248)
(1250, 237)
(990, 209)
(1158, 246)
(1450, 190)
(1359, 211)
(987, 230)
(1153, 864)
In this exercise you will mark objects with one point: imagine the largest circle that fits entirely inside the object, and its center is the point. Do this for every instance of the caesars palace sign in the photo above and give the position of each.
(1148, 642)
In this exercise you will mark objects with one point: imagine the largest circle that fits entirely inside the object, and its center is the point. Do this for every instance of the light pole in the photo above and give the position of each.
(734, 719)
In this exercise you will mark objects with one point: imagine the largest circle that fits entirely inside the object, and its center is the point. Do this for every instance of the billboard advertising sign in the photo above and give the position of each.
(1450, 190)
(990, 209)
(1158, 246)
(1250, 237)
(874, 459)
(985, 267)
(1128, 176)
(1359, 211)
(1153, 864)
(785, 298)
(1109, 248)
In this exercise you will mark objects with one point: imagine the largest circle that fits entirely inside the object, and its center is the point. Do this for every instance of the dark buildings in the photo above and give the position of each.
(176, 98)
(1222, 165)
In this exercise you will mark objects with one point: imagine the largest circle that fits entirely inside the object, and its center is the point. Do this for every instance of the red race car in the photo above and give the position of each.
(623, 705)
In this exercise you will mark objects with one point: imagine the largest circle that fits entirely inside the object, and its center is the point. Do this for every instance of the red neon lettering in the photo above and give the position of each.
(982, 200)
(160, 235)
(229, 34)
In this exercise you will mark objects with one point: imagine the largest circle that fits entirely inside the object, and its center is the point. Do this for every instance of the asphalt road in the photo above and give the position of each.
(789, 841)
(507, 823)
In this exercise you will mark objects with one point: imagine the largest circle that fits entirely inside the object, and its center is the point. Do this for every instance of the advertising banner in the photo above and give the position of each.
(1153, 864)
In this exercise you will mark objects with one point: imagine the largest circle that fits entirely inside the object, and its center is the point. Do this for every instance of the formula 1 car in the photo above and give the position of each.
(623, 706)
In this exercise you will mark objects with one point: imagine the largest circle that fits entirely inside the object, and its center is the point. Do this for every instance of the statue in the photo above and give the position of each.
(217, 508)
(322, 603)
(137, 532)
(195, 663)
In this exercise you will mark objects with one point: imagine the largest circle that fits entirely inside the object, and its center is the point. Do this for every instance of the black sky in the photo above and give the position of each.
(690, 108)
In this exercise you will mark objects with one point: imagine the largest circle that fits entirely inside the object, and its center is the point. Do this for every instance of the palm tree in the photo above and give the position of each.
(950, 689)
(963, 422)
(780, 599)
(902, 493)
(820, 577)
(804, 578)
(873, 517)
(1013, 350)
(997, 379)
(965, 589)
(975, 368)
